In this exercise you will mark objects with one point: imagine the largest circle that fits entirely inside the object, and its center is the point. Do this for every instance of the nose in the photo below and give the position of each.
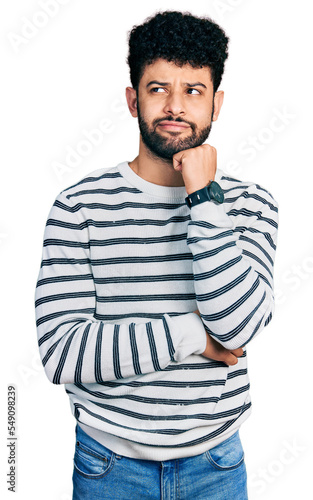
(174, 104)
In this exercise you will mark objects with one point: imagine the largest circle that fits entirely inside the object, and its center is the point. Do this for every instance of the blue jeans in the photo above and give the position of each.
(218, 474)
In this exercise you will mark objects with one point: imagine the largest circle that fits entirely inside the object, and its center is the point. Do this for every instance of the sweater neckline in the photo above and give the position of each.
(169, 192)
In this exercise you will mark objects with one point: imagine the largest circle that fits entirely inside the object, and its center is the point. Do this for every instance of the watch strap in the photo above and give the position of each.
(212, 191)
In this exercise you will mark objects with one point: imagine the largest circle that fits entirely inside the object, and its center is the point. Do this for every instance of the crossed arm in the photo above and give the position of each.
(234, 295)
(233, 292)
(215, 350)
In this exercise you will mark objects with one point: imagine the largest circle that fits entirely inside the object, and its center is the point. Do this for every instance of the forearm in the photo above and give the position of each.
(75, 344)
(79, 349)
(232, 276)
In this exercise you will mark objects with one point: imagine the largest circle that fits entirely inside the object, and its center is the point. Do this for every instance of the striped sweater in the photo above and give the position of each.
(125, 263)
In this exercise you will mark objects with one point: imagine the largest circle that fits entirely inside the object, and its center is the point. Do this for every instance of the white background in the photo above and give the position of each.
(62, 74)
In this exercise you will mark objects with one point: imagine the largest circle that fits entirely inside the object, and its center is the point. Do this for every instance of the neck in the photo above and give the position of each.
(154, 169)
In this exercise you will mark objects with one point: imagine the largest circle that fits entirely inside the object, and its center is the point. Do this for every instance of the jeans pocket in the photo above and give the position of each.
(228, 455)
(90, 463)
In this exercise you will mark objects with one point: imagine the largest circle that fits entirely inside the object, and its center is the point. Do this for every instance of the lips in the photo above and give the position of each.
(173, 125)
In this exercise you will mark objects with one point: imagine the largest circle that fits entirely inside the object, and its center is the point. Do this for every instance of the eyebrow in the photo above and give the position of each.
(155, 82)
(196, 84)
(165, 84)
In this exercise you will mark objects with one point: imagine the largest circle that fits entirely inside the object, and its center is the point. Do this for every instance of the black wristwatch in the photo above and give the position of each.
(212, 191)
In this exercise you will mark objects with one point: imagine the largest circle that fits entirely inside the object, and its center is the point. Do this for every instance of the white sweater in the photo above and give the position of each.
(125, 264)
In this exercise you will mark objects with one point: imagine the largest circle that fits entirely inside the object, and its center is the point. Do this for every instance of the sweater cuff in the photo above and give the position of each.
(211, 212)
(189, 335)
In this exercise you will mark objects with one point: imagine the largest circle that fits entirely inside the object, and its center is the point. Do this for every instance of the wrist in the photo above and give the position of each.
(193, 186)
(211, 192)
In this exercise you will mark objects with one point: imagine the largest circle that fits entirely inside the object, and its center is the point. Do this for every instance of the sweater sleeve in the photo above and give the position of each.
(76, 347)
(233, 266)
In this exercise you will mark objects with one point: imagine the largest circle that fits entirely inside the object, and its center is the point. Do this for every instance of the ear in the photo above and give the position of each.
(218, 101)
(131, 98)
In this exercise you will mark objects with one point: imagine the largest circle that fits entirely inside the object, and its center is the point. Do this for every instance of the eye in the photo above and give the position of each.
(157, 90)
(192, 91)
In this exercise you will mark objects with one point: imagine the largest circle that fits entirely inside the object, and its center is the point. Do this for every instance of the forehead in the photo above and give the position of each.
(166, 71)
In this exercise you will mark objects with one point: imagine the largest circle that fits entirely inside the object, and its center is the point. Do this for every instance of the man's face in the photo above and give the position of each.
(174, 107)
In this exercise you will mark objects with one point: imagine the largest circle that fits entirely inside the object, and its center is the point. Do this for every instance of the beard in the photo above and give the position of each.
(167, 147)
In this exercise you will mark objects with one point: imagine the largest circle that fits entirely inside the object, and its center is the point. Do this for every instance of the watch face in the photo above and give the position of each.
(216, 192)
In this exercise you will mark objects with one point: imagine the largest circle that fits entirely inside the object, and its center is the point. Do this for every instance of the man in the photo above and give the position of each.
(155, 275)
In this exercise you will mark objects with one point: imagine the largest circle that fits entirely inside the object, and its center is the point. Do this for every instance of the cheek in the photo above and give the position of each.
(206, 118)
(152, 107)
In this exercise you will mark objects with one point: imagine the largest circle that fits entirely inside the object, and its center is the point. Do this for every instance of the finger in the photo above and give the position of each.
(237, 352)
(229, 359)
(178, 160)
(178, 167)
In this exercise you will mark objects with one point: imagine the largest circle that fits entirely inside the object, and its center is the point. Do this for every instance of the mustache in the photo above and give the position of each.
(171, 119)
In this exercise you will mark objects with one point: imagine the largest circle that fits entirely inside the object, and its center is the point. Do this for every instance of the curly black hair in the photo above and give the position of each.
(178, 37)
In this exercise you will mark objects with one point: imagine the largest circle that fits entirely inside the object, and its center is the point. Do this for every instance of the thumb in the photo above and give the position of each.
(177, 161)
